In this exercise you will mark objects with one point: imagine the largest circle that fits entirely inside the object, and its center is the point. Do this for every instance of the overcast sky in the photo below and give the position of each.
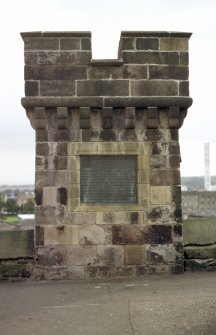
(106, 19)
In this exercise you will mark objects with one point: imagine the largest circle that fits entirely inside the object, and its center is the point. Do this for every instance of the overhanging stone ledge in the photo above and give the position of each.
(116, 102)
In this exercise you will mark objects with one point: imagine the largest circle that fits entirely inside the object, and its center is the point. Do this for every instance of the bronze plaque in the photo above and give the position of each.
(108, 179)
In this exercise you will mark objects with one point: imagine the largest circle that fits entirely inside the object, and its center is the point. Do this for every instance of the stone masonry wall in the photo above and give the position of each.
(133, 105)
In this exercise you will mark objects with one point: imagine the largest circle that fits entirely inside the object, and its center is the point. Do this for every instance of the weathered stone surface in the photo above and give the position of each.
(81, 255)
(199, 232)
(161, 195)
(31, 88)
(94, 234)
(145, 57)
(134, 254)
(57, 87)
(154, 88)
(103, 87)
(200, 265)
(55, 72)
(50, 196)
(179, 44)
(161, 254)
(81, 218)
(140, 234)
(60, 235)
(160, 214)
(164, 178)
(16, 269)
(200, 252)
(16, 244)
(70, 44)
(110, 255)
(168, 72)
(147, 43)
(57, 57)
(119, 217)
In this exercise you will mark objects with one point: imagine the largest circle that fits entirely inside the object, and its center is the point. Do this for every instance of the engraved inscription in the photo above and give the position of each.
(108, 179)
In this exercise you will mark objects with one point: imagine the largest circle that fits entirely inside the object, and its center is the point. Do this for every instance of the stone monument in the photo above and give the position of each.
(107, 180)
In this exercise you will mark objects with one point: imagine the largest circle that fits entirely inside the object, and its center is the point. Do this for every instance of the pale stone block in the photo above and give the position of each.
(119, 217)
(60, 235)
(74, 176)
(73, 191)
(73, 149)
(112, 147)
(73, 163)
(161, 195)
(73, 203)
(81, 255)
(134, 254)
(81, 218)
(161, 254)
(178, 44)
(110, 255)
(87, 147)
(143, 162)
(50, 196)
(94, 234)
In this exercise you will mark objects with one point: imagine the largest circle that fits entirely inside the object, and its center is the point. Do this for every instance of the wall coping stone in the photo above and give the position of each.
(56, 34)
(155, 34)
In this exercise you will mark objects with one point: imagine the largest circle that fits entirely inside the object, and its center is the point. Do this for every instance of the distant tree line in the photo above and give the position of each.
(10, 206)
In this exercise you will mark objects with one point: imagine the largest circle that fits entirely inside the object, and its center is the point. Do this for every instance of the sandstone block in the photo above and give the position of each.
(161, 254)
(57, 87)
(110, 255)
(147, 43)
(60, 235)
(51, 255)
(180, 44)
(134, 254)
(145, 57)
(161, 195)
(199, 232)
(164, 177)
(200, 252)
(160, 214)
(16, 244)
(154, 88)
(81, 255)
(118, 217)
(169, 72)
(101, 271)
(41, 43)
(31, 88)
(184, 88)
(86, 44)
(50, 196)
(81, 218)
(55, 72)
(127, 43)
(102, 88)
(94, 235)
(70, 44)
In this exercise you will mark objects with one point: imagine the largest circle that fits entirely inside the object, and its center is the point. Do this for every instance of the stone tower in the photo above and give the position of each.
(107, 180)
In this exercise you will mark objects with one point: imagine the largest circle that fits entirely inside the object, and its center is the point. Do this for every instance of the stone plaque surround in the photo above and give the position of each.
(140, 150)
(108, 179)
(133, 105)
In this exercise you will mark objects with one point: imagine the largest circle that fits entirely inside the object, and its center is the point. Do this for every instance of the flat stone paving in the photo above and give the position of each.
(183, 304)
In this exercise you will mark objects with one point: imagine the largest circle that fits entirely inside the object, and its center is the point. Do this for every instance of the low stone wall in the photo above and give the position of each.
(16, 254)
(200, 244)
(17, 251)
